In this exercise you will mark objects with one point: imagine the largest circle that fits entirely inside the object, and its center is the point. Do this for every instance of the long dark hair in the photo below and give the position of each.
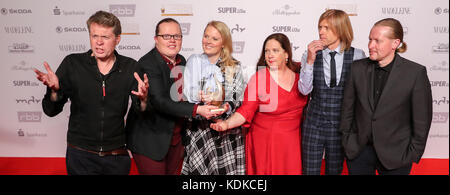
(285, 44)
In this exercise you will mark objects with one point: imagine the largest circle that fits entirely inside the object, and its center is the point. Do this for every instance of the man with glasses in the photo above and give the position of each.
(154, 135)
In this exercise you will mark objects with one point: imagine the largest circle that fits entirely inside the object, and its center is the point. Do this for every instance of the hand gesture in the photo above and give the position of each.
(50, 79)
(142, 87)
(219, 125)
(313, 47)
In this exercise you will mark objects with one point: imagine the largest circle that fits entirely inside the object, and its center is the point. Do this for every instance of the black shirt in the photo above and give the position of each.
(98, 102)
(381, 76)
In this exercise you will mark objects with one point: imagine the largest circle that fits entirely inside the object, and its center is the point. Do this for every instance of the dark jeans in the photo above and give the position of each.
(367, 163)
(84, 163)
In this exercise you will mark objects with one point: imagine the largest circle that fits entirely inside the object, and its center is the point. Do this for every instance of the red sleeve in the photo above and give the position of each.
(194, 110)
(251, 101)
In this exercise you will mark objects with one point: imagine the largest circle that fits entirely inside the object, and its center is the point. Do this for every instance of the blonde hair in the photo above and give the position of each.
(227, 62)
(396, 31)
(340, 24)
(105, 19)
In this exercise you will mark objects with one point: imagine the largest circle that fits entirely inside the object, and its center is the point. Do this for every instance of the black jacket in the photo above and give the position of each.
(150, 132)
(399, 123)
(96, 122)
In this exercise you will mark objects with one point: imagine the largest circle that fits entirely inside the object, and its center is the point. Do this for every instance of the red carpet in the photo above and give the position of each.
(57, 166)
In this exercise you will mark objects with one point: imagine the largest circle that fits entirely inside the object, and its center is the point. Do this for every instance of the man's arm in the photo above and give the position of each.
(305, 83)
(422, 114)
(54, 98)
(348, 107)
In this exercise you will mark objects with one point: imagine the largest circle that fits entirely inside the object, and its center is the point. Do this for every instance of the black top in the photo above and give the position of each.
(381, 76)
(97, 113)
(150, 132)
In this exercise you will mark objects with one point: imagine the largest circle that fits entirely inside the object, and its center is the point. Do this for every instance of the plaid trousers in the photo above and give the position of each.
(320, 132)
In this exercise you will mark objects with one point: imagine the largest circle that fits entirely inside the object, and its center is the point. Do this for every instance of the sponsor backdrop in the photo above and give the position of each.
(31, 33)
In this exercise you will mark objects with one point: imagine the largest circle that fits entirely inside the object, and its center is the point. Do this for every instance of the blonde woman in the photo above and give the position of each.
(209, 152)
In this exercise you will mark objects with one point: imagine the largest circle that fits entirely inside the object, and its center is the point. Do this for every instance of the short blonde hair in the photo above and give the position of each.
(340, 24)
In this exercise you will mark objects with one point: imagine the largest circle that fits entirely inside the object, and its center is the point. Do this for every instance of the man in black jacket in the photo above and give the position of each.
(98, 84)
(154, 136)
(387, 107)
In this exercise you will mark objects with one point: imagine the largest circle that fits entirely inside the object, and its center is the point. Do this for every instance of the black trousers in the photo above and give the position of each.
(367, 163)
(84, 163)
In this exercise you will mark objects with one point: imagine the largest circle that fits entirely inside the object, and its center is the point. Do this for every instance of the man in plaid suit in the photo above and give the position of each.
(324, 67)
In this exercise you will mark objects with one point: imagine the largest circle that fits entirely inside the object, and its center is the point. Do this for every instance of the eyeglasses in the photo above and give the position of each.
(168, 37)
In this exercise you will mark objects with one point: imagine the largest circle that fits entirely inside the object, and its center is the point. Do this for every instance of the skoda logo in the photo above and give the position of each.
(59, 29)
(4, 11)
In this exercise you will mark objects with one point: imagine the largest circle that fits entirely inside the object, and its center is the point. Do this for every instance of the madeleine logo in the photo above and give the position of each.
(18, 29)
(176, 10)
(396, 10)
(123, 10)
(72, 47)
(441, 29)
(350, 9)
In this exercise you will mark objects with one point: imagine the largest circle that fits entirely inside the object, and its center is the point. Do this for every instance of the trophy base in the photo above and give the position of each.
(218, 110)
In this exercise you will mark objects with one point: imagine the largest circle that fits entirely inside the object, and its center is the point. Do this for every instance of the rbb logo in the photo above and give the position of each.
(185, 28)
(123, 10)
(29, 116)
(440, 117)
(238, 46)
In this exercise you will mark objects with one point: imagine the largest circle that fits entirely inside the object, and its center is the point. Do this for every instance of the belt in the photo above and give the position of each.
(115, 152)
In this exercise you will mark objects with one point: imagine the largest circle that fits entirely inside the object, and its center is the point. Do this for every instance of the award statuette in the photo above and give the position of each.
(217, 94)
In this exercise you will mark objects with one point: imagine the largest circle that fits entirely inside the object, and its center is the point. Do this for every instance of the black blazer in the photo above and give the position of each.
(150, 132)
(401, 121)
